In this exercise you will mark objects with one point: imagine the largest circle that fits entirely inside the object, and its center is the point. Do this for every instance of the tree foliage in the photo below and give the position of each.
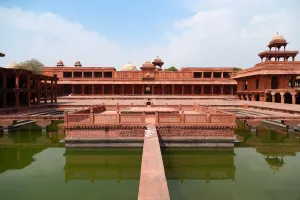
(235, 69)
(33, 65)
(172, 68)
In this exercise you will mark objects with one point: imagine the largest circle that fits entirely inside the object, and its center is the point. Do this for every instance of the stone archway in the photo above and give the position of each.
(268, 97)
(277, 97)
(288, 98)
(257, 97)
(298, 98)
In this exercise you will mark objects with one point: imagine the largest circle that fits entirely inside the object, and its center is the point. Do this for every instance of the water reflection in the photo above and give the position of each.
(199, 164)
(18, 148)
(103, 164)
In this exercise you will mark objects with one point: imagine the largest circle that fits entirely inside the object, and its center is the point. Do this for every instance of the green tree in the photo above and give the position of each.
(33, 65)
(235, 69)
(172, 68)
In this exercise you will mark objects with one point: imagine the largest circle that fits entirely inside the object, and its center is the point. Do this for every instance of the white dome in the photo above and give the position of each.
(277, 36)
(12, 65)
(129, 67)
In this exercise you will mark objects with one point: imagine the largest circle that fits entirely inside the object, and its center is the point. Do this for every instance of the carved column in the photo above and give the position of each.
(17, 80)
(3, 89)
(55, 91)
(222, 88)
(17, 103)
(46, 91)
(232, 89)
(293, 98)
(152, 86)
(132, 89)
(252, 97)
(273, 97)
(52, 91)
(4, 94)
(193, 88)
(73, 89)
(82, 89)
(282, 97)
(39, 91)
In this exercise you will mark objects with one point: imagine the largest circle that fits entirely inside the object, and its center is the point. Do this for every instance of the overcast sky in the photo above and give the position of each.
(195, 33)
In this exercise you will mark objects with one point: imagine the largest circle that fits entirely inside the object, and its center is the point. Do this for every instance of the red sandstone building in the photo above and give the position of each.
(149, 80)
(275, 79)
(22, 88)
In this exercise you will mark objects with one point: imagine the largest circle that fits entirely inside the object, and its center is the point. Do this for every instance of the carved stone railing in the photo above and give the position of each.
(203, 115)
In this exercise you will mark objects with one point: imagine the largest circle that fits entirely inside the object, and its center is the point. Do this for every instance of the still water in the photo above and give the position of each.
(265, 165)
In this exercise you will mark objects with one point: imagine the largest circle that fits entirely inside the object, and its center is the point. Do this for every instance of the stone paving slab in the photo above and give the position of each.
(153, 183)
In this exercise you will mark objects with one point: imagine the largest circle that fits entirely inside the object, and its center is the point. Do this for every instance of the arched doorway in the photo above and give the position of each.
(269, 97)
(277, 97)
(257, 97)
(274, 82)
(288, 98)
(297, 98)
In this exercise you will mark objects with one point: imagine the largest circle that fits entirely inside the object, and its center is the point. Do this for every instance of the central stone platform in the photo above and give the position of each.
(123, 125)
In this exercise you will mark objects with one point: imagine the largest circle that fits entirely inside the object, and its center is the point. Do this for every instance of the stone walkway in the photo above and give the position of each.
(153, 183)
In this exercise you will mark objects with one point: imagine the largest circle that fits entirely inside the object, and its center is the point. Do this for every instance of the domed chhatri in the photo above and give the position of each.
(12, 65)
(60, 63)
(158, 62)
(77, 64)
(129, 67)
(277, 40)
(148, 64)
(157, 59)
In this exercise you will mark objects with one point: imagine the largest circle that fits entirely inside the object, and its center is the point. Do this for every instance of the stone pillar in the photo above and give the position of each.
(163, 89)
(45, 91)
(156, 117)
(132, 89)
(4, 80)
(222, 87)
(202, 89)
(17, 80)
(222, 74)
(4, 99)
(143, 89)
(273, 97)
(293, 98)
(152, 89)
(232, 89)
(82, 89)
(253, 97)
(52, 92)
(293, 79)
(193, 88)
(55, 91)
(262, 97)
(282, 97)
(173, 89)
(28, 99)
(39, 91)
(17, 103)
(182, 89)
(212, 89)
(73, 89)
